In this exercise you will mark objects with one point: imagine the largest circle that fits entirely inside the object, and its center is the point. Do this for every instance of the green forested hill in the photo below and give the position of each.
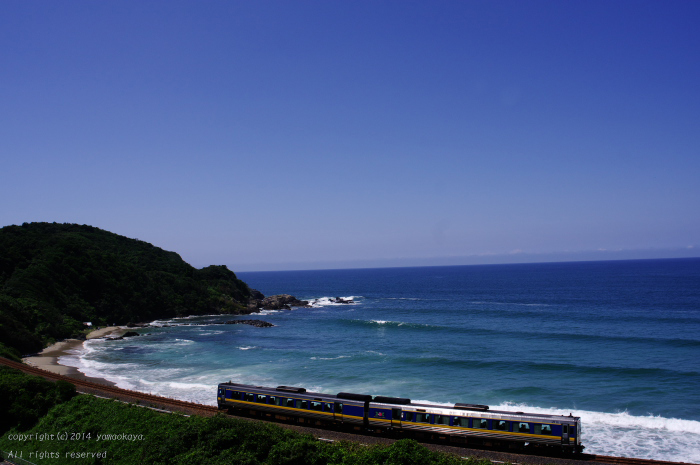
(55, 276)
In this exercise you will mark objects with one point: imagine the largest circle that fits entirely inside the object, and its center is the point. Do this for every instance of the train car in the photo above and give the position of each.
(461, 423)
(288, 402)
(476, 423)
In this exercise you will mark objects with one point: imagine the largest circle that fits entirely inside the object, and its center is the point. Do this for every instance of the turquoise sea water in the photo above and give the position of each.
(617, 343)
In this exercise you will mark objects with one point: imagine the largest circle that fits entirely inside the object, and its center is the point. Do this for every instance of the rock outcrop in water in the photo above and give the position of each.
(256, 323)
(276, 302)
(256, 295)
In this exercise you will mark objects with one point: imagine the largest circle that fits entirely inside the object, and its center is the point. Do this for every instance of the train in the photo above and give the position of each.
(464, 424)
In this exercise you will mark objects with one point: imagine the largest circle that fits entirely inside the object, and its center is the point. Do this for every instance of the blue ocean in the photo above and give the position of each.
(616, 343)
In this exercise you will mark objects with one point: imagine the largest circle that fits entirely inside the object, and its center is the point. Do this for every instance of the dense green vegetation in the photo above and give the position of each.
(27, 398)
(142, 436)
(54, 277)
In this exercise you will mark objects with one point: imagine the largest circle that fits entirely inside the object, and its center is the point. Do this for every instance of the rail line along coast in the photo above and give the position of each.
(308, 423)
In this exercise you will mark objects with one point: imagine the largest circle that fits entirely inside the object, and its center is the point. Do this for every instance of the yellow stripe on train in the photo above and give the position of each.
(293, 409)
(481, 430)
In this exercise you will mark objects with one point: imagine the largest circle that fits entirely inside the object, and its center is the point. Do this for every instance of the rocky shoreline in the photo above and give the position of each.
(257, 303)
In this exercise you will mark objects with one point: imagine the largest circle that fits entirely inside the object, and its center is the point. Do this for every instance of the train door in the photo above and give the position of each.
(396, 418)
(338, 411)
(220, 398)
(565, 434)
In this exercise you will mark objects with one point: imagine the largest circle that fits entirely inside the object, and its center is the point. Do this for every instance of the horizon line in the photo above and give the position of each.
(498, 260)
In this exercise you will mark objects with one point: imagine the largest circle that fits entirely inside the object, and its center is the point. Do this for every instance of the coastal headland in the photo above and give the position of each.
(57, 280)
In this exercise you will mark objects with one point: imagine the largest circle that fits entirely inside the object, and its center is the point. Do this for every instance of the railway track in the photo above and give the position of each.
(176, 405)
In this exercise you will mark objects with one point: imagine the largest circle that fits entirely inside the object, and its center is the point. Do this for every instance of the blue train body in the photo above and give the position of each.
(462, 423)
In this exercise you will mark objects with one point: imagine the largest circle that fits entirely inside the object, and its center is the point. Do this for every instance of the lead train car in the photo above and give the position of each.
(465, 423)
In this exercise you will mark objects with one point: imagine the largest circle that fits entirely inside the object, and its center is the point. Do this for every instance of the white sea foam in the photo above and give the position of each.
(373, 352)
(190, 317)
(331, 358)
(161, 324)
(330, 301)
(389, 322)
(397, 323)
(199, 392)
(209, 333)
(247, 347)
(267, 312)
(198, 386)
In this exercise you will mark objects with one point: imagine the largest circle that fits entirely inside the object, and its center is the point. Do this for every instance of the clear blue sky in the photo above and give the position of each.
(296, 134)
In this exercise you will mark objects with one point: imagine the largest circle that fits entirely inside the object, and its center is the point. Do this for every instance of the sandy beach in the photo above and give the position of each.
(47, 359)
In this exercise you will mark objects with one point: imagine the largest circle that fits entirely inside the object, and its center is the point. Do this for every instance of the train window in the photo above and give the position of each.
(338, 408)
(407, 416)
(500, 425)
(237, 395)
(290, 403)
(305, 404)
(542, 429)
(261, 399)
(422, 418)
(327, 407)
(480, 423)
(316, 406)
(442, 420)
(273, 400)
(249, 397)
(522, 427)
(460, 421)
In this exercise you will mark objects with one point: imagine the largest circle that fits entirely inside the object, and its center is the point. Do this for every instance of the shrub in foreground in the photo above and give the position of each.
(25, 398)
